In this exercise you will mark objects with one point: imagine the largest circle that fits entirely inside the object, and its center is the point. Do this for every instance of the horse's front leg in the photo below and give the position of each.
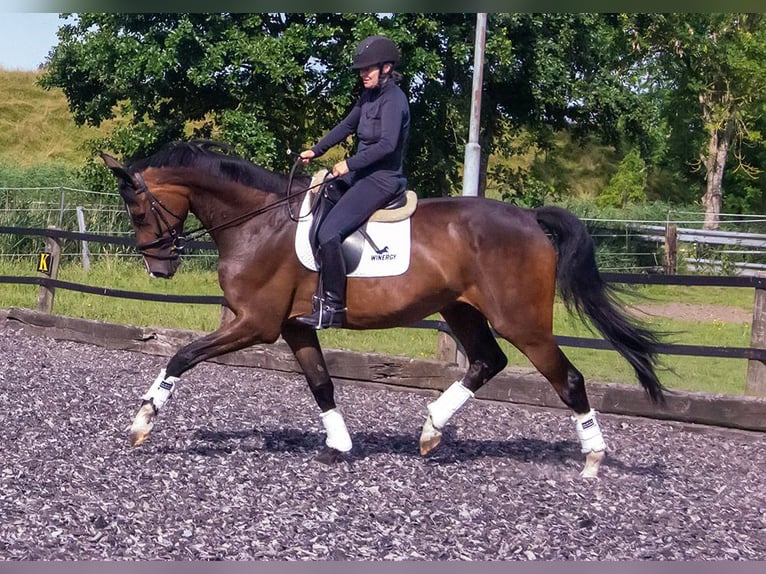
(486, 359)
(152, 401)
(230, 337)
(304, 344)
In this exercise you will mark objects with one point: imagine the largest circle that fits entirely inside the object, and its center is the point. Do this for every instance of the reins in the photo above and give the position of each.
(178, 241)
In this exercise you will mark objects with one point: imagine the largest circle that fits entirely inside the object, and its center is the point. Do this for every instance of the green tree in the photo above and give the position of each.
(266, 83)
(245, 78)
(549, 73)
(628, 185)
(710, 69)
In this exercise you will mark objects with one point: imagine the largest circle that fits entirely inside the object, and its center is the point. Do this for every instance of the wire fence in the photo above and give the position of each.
(641, 245)
(622, 244)
(72, 209)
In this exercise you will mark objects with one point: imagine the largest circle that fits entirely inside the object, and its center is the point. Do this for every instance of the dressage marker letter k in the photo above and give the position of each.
(44, 263)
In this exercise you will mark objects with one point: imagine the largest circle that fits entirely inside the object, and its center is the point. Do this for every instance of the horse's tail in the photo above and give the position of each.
(582, 289)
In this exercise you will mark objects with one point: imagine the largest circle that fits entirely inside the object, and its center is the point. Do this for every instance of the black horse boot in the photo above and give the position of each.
(330, 308)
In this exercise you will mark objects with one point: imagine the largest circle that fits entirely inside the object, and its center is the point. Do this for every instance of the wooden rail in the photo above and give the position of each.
(671, 235)
(448, 349)
(514, 385)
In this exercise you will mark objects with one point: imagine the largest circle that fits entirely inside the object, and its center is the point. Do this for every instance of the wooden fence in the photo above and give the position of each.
(671, 236)
(520, 386)
(516, 385)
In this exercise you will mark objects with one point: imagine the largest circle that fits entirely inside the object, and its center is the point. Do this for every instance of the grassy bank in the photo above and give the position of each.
(36, 126)
(682, 373)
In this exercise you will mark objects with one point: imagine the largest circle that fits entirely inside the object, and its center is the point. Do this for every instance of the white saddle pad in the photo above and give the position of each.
(391, 238)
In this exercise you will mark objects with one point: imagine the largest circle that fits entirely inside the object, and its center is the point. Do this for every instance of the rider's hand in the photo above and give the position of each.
(306, 155)
(340, 168)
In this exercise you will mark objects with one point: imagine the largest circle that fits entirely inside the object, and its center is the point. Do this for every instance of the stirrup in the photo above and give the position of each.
(324, 316)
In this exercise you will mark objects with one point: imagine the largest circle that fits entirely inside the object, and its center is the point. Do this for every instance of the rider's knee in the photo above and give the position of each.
(327, 236)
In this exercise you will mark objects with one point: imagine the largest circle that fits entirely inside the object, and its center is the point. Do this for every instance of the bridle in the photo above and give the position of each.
(170, 237)
(177, 242)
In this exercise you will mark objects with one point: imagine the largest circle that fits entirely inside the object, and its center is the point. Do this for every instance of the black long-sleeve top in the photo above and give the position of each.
(381, 121)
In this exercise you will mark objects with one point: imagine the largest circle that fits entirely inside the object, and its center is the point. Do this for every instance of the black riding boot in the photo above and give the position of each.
(330, 306)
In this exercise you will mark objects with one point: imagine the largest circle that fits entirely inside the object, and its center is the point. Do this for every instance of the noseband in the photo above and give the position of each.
(168, 238)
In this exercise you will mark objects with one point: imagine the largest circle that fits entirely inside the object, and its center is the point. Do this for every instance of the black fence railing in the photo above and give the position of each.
(756, 375)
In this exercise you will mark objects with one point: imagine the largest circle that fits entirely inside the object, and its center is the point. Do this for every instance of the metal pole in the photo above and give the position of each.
(472, 164)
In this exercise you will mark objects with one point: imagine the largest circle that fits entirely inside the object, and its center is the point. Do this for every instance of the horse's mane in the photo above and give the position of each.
(216, 159)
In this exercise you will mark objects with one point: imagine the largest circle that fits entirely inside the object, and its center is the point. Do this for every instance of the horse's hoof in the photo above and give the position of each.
(137, 437)
(330, 456)
(430, 437)
(592, 463)
(142, 424)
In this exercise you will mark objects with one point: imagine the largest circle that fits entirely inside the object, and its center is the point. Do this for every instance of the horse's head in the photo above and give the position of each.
(157, 219)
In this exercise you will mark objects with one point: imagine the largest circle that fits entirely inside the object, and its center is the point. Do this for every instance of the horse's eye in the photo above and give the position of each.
(139, 219)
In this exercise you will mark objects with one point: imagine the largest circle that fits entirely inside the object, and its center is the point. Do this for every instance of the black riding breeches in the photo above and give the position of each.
(357, 204)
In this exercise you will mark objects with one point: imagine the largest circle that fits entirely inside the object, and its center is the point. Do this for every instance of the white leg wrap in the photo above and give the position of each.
(337, 433)
(450, 401)
(161, 390)
(589, 432)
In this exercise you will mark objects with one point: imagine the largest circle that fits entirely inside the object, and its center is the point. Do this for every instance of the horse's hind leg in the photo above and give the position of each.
(569, 383)
(304, 344)
(485, 360)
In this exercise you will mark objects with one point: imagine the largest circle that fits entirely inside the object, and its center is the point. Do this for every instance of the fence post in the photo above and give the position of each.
(227, 316)
(756, 370)
(671, 249)
(448, 351)
(46, 294)
(85, 249)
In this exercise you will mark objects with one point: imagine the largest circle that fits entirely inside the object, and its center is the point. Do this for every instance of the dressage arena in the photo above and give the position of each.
(228, 473)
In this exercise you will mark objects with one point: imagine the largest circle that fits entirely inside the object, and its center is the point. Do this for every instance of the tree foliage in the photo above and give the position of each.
(553, 73)
(628, 184)
(266, 83)
(709, 67)
(246, 78)
(664, 85)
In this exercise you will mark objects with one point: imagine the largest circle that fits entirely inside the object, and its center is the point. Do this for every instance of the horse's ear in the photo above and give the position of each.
(130, 186)
(117, 168)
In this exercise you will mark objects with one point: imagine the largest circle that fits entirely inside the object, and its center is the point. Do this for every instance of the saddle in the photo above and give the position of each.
(327, 195)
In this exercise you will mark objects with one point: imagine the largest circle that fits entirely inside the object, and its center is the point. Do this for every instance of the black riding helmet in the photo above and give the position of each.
(375, 50)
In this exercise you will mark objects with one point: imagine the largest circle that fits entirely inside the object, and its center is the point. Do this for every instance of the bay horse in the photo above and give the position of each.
(482, 264)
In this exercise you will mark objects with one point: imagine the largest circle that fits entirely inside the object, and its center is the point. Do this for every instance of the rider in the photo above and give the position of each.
(372, 176)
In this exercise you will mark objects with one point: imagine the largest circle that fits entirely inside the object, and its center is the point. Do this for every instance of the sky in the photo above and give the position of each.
(26, 38)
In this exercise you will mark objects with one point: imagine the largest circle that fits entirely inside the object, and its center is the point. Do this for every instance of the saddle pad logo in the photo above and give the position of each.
(392, 241)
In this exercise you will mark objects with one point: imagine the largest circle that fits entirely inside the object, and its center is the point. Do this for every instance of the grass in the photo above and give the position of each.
(726, 376)
(708, 295)
(36, 125)
(712, 375)
(128, 275)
